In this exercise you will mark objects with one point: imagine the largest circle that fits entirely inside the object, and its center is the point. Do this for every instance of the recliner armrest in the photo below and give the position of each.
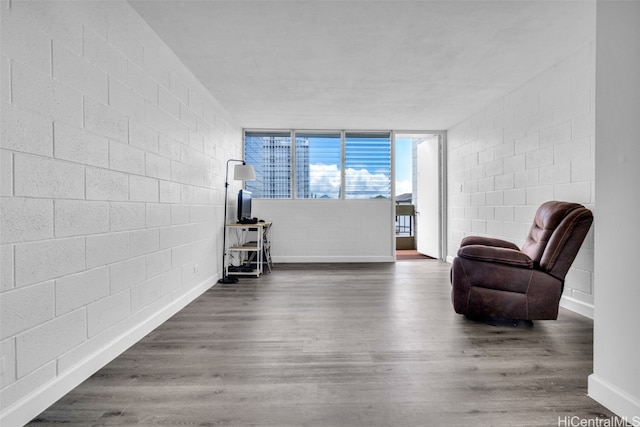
(500, 255)
(487, 241)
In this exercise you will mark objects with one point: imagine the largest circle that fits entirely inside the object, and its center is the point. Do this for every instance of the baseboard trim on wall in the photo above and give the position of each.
(325, 259)
(617, 401)
(26, 409)
(577, 306)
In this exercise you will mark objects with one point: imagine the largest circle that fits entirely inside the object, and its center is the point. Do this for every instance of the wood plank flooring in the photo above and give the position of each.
(340, 345)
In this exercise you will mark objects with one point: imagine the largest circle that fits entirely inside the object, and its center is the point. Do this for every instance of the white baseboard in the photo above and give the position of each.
(577, 306)
(617, 401)
(26, 409)
(336, 259)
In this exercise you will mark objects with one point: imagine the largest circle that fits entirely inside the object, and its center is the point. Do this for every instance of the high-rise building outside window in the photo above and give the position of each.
(270, 155)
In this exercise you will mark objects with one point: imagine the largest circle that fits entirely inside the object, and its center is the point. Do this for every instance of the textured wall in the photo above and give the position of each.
(533, 145)
(112, 167)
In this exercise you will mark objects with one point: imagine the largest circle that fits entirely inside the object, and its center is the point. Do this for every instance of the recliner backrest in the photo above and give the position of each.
(557, 232)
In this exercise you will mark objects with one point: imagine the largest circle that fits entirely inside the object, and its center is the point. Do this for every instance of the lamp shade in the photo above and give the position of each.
(244, 173)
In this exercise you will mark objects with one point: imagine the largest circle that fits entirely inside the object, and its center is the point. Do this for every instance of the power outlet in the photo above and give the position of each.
(196, 268)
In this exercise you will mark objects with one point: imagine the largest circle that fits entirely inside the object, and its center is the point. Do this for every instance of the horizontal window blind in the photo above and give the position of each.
(367, 165)
(318, 165)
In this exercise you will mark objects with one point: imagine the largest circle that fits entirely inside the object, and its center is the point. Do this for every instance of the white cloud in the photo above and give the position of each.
(325, 180)
(362, 182)
(403, 187)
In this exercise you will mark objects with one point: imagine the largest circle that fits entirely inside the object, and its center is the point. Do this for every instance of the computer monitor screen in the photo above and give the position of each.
(244, 204)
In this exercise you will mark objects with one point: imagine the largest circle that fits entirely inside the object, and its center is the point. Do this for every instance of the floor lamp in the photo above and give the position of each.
(242, 172)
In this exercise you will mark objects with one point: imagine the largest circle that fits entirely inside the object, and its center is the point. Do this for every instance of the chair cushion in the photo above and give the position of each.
(547, 219)
(487, 241)
(506, 256)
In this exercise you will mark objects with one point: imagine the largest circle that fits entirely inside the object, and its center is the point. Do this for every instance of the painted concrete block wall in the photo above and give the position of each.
(329, 230)
(112, 164)
(533, 145)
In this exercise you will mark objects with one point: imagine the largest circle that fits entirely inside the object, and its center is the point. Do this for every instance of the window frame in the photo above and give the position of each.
(349, 194)
(343, 136)
(294, 170)
(275, 133)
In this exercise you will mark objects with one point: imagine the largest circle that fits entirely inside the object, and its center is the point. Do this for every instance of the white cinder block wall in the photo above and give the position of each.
(112, 166)
(534, 145)
(326, 230)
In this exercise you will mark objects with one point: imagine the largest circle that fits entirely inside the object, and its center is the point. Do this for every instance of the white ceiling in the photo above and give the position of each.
(360, 64)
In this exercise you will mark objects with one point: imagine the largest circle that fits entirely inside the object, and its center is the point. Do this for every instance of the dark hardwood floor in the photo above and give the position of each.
(340, 345)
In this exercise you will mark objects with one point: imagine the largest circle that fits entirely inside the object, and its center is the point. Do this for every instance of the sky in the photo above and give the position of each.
(404, 162)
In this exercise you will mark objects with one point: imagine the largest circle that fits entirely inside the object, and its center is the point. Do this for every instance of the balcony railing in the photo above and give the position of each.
(405, 215)
(405, 226)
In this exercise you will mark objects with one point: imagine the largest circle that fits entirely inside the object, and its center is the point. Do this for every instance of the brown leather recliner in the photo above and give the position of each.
(493, 278)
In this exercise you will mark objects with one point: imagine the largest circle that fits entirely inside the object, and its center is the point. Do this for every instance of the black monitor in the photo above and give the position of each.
(244, 205)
